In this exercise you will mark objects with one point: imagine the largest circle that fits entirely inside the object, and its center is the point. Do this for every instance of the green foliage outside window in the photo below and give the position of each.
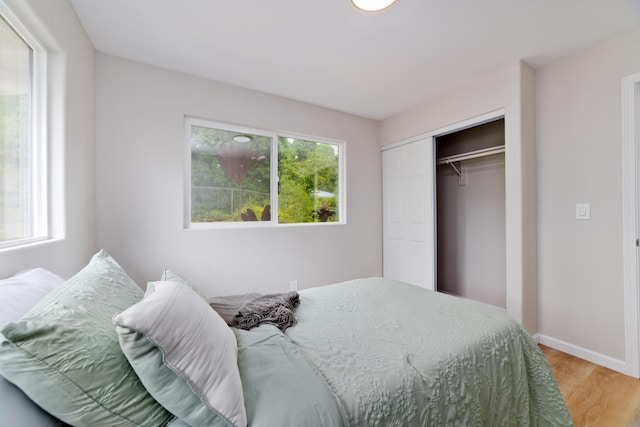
(308, 187)
(230, 178)
(218, 195)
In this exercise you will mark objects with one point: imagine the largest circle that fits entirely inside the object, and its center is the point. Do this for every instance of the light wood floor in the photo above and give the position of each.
(595, 396)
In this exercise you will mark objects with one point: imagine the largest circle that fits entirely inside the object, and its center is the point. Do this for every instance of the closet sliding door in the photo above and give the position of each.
(408, 213)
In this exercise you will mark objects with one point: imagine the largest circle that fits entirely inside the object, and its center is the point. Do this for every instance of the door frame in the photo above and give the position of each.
(630, 220)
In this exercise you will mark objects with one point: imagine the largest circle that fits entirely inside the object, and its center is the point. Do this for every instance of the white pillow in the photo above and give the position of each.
(184, 354)
(17, 295)
(21, 292)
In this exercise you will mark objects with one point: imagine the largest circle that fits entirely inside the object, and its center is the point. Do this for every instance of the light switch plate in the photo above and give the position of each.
(583, 211)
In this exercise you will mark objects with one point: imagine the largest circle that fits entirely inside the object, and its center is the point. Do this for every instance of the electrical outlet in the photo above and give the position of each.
(293, 285)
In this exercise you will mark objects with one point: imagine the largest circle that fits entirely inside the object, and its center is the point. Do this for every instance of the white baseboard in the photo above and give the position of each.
(582, 353)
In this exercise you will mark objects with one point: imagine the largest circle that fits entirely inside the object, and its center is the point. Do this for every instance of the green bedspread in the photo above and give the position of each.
(280, 388)
(398, 355)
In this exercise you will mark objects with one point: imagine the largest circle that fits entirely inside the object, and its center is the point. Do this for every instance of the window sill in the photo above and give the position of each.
(23, 244)
(254, 225)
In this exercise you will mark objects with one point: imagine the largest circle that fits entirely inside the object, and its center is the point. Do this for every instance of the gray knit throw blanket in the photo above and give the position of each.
(250, 310)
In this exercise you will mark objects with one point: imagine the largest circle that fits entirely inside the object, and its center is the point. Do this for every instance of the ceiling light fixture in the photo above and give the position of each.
(372, 5)
(242, 138)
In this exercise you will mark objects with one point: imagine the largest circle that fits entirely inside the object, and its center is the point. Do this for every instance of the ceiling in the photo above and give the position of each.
(328, 53)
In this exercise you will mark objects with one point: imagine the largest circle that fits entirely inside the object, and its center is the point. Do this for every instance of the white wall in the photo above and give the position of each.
(508, 88)
(140, 186)
(579, 160)
(71, 138)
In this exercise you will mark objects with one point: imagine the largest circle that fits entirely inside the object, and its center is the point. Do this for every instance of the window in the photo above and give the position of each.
(22, 195)
(241, 175)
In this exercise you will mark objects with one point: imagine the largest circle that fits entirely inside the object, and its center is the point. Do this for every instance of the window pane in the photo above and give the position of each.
(16, 192)
(230, 176)
(308, 185)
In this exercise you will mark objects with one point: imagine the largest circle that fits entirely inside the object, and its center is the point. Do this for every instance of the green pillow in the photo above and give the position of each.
(64, 353)
(185, 355)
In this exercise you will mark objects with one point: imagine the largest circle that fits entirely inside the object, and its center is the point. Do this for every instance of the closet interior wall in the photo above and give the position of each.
(471, 227)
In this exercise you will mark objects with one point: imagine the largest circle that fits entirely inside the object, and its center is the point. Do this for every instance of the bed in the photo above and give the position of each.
(96, 351)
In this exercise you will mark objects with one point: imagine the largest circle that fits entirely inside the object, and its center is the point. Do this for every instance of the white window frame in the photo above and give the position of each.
(38, 155)
(274, 135)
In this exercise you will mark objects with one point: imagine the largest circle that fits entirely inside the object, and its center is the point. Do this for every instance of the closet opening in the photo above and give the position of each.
(470, 213)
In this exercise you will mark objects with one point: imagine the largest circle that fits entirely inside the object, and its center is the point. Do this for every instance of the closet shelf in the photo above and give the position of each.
(471, 155)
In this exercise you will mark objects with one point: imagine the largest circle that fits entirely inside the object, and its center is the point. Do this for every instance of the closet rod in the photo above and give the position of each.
(471, 155)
